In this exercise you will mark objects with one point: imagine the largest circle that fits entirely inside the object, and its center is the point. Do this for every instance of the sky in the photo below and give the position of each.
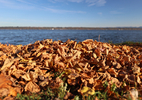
(71, 13)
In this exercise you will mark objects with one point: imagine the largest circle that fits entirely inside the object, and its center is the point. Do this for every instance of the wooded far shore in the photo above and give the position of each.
(76, 28)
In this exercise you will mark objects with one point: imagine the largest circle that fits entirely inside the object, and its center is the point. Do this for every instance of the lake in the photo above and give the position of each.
(25, 37)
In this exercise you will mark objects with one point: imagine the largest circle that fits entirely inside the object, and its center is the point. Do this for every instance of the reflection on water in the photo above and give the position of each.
(25, 37)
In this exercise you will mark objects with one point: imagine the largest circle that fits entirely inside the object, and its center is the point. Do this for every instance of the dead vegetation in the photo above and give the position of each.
(86, 67)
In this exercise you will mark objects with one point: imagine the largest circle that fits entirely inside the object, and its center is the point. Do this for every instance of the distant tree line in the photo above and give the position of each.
(75, 28)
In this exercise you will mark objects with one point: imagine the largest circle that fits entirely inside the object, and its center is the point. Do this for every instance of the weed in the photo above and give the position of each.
(76, 97)
(62, 91)
(113, 87)
(109, 41)
(57, 74)
(105, 84)
(2, 97)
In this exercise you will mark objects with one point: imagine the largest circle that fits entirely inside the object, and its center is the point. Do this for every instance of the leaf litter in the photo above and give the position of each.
(86, 65)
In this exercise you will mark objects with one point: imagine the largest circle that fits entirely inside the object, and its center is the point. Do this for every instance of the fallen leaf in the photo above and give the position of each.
(69, 96)
(12, 92)
(87, 91)
(4, 92)
(32, 87)
(112, 72)
(26, 76)
(7, 63)
(5, 81)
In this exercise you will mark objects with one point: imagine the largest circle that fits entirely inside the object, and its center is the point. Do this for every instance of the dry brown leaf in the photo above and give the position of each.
(69, 96)
(96, 98)
(55, 84)
(91, 81)
(106, 51)
(4, 81)
(4, 92)
(126, 48)
(133, 94)
(131, 79)
(32, 87)
(138, 79)
(97, 52)
(135, 50)
(98, 85)
(27, 76)
(78, 46)
(102, 63)
(9, 98)
(115, 81)
(94, 55)
(139, 56)
(72, 81)
(118, 66)
(18, 73)
(8, 62)
(18, 89)
(44, 83)
(94, 61)
(112, 72)
(88, 63)
(136, 69)
(88, 41)
(78, 67)
(73, 75)
(12, 92)
(127, 58)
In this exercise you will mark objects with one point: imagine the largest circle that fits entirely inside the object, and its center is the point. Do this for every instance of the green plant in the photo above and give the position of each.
(2, 97)
(109, 41)
(76, 97)
(57, 74)
(101, 95)
(62, 91)
(113, 87)
(105, 84)
(23, 97)
(48, 94)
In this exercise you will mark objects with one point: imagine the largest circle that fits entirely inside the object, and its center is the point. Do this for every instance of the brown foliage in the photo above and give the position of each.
(88, 65)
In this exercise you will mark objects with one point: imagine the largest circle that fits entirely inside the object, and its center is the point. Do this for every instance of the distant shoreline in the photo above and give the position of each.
(75, 28)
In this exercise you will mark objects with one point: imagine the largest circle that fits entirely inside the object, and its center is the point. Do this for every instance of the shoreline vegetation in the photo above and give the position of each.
(74, 28)
(56, 70)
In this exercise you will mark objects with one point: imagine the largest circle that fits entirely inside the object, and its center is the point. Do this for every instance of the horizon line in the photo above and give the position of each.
(72, 27)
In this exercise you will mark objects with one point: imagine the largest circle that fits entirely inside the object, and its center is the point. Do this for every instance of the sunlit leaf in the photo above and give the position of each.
(87, 91)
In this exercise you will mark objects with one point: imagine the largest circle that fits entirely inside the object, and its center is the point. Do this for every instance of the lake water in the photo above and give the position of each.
(25, 37)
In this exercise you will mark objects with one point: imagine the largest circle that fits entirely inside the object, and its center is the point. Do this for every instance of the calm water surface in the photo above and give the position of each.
(25, 37)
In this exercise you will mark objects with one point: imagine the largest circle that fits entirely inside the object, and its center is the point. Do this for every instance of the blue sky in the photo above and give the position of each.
(71, 13)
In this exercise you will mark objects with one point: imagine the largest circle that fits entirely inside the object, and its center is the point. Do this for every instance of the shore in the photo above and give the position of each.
(74, 28)
(69, 70)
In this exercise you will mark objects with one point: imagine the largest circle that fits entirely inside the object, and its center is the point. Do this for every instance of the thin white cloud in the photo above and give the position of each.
(96, 2)
(23, 1)
(24, 4)
(5, 2)
(78, 1)
(54, 1)
(18, 4)
(63, 11)
(89, 2)
(101, 2)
